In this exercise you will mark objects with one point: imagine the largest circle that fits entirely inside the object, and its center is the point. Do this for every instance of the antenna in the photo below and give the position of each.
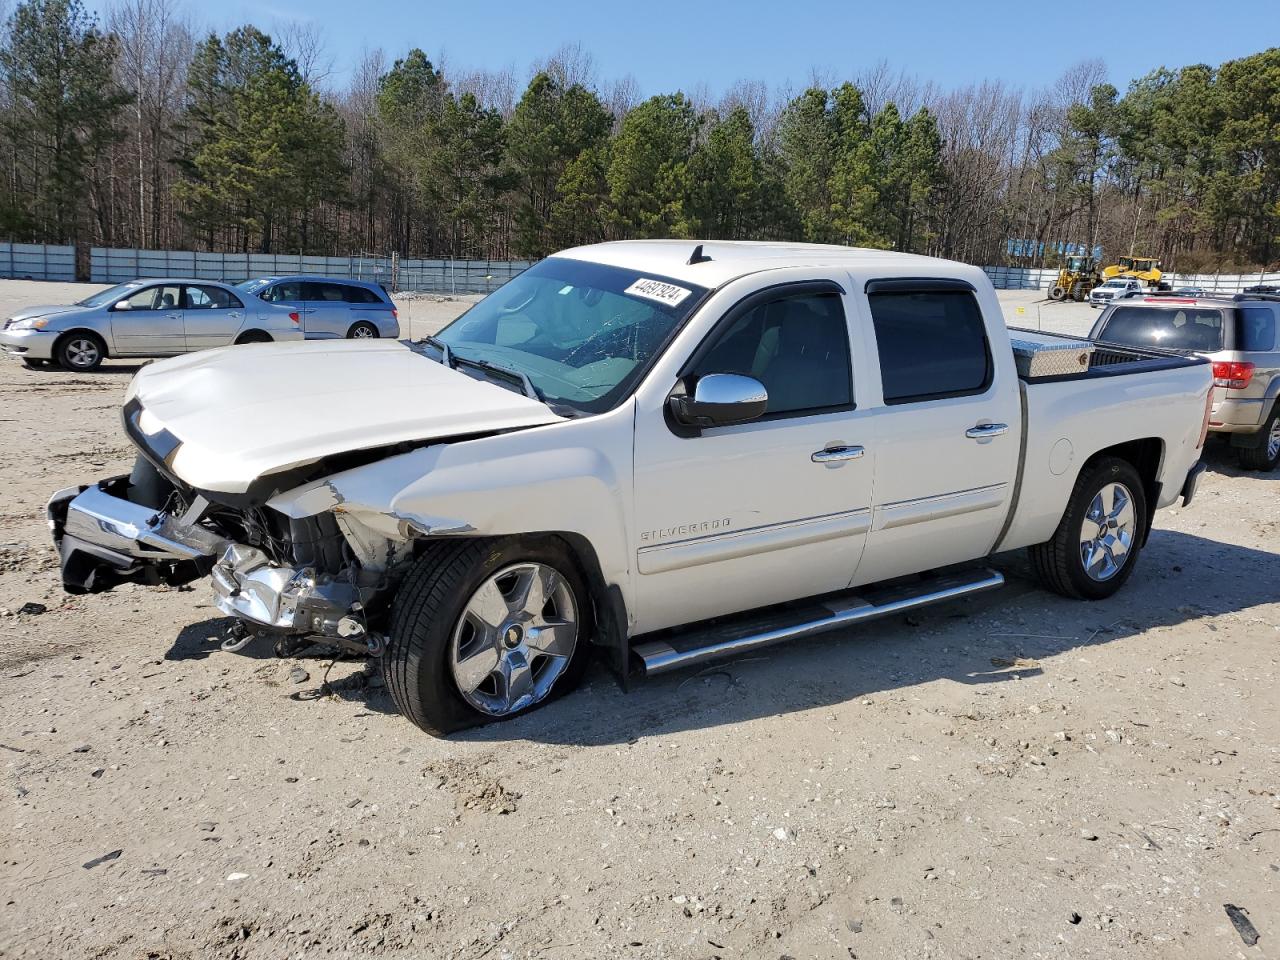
(697, 256)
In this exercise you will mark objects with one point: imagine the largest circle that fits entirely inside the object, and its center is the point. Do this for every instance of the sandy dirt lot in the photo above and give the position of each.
(1017, 776)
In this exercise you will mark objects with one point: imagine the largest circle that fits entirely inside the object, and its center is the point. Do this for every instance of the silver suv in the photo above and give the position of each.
(331, 306)
(1241, 335)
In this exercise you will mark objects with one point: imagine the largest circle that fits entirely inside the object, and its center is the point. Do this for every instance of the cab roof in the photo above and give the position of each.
(731, 259)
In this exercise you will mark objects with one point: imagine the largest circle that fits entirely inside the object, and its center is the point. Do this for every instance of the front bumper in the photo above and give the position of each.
(32, 344)
(104, 540)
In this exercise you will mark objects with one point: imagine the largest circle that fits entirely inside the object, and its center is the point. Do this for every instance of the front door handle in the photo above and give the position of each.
(985, 431)
(836, 454)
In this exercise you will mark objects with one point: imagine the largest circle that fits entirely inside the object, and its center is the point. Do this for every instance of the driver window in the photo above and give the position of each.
(798, 347)
(155, 298)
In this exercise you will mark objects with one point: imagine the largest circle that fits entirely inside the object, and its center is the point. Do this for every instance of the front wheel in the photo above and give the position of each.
(486, 630)
(1266, 455)
(81, 352)
(1096, 546)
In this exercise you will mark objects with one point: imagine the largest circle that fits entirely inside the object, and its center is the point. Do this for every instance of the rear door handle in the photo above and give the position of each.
(836, 454)
(984, 431)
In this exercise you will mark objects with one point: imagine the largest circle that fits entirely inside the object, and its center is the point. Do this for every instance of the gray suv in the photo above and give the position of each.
(1241, 335)
(331, 306)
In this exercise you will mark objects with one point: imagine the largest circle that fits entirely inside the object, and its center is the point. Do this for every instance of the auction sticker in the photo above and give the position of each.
(667, 293)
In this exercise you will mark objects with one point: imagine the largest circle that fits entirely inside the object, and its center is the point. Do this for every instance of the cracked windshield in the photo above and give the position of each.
(583, 333)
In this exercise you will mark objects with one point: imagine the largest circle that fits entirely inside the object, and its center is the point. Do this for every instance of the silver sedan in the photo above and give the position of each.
(145, 318)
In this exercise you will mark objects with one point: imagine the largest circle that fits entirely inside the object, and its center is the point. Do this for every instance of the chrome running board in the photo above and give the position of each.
(748, 634)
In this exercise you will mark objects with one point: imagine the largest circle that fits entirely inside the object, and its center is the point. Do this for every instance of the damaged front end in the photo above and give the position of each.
(296, 580)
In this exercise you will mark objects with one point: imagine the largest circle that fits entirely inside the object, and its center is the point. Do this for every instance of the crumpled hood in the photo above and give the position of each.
(45, 310)
(245, 411)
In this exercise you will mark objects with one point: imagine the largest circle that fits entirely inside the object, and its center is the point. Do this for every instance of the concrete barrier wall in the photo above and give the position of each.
(37, 261)
(437, 276)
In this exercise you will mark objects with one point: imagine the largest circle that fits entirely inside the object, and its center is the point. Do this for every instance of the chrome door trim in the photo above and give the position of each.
(985, 431)
(662, 557)
(837, 454)
(923, 509)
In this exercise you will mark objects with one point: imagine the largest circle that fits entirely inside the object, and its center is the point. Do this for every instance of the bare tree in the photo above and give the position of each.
(304, 41)
(155, 50)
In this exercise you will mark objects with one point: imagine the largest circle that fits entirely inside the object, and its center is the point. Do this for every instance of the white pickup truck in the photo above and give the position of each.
(665, 451)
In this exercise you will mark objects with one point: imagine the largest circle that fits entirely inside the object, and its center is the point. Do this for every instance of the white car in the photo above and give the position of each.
(665, 452)
(1116, 288)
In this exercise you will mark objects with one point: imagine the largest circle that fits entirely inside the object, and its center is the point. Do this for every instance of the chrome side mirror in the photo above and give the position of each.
(721, 399)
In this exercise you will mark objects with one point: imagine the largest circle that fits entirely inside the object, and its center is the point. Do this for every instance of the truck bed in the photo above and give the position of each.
(1047, 357)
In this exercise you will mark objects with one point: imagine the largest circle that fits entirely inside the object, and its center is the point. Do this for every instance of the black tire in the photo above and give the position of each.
(1058, 562)
(1266, 455)
(1056, 292)
(81, 351)
(362, 330)
(427, 607)
(253, 336)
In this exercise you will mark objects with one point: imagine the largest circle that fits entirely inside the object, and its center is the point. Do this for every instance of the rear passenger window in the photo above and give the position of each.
(359, 294)
(1257, 330)
(932, 344)
(289, 292)
(798, 347)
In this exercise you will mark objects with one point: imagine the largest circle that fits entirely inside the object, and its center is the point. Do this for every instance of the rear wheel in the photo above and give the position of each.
(81, 352)
(362, 330)
(1096, 546)
(486, 630)
(1266, 455)
(253, 336)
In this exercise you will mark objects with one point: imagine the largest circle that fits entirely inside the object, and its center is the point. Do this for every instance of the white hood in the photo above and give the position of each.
(245, 411)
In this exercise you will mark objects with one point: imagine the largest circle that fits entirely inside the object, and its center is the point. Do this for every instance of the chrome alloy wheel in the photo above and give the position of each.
(1273, 440)
(1106, 536)
(514, 639)
(82, 352)
(363, 332)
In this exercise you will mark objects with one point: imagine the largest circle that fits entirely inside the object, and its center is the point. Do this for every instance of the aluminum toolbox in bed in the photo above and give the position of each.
(1039, 355)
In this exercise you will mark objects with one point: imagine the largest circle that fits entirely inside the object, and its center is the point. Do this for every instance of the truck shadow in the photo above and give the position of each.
(996, 638)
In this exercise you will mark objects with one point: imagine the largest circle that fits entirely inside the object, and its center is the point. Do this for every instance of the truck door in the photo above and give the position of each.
(947, 434)
(742, 516)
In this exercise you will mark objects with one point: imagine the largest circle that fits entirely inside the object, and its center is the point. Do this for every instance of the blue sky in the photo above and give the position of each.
(678, 45)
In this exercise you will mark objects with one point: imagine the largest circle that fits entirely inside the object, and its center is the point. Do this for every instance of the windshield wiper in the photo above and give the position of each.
(446, 355)
(522, 379)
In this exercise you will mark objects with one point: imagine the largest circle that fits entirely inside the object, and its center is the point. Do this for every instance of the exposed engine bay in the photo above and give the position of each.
(294, 580)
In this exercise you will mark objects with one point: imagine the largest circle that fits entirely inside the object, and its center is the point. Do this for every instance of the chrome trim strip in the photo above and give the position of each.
(660, 656)
(922, 509)
(679, 554)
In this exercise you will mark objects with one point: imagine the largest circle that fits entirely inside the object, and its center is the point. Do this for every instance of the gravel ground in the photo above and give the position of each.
(1012, 776)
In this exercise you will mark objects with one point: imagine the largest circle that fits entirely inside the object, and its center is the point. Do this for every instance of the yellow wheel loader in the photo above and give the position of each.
(1077, 277)
(1146, 269)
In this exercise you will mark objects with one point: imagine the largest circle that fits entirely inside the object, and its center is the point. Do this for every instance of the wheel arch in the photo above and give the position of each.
(1146, 455)
(608, 603)
(63, 336)
(254, 335)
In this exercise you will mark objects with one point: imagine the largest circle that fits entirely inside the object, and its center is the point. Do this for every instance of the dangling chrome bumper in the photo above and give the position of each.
(104, 540)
